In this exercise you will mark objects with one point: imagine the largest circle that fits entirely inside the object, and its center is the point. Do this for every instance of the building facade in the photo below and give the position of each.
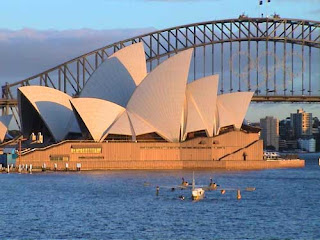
(270, 132)
(301, 123)
(308, 145)
(128, 118)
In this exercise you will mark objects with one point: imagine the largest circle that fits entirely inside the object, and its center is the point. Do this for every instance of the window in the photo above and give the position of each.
(86, 150)
(90, 157)
(59, 158)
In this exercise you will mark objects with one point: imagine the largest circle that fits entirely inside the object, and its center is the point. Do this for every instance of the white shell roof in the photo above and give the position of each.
(201, 105)
(120, 98)
(5, 121)
(3, 131)
(139, 125)
(116, 78)
(232, 108)
(134, 60)
(120, 126)
(194, 121)
(99, 116)
(53, 107)
(159, 99)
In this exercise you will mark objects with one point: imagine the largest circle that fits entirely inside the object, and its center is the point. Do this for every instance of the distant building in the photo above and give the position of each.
(315, 131)
(287, 144)
(270, 132)
(307, 144)
(301, 123)
(285, 129)
(316, 122)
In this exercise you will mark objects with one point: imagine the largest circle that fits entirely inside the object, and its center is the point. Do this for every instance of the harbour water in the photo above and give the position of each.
(117, 205)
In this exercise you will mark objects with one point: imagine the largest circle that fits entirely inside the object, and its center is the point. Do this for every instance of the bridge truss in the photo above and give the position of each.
(278, 59)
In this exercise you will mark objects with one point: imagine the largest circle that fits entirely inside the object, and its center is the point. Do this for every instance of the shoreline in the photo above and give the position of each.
(178, 165)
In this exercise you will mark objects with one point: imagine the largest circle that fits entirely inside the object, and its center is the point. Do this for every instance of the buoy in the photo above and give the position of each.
(157, 191)
(19, 169)
(238, 194)
(8, 169)
(30, 169)
(55, 166)
(223, 191)
(319, 161)
(67, 166)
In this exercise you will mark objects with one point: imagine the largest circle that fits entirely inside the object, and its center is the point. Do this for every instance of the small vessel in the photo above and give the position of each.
(184, 183)
(212, 185)
(271, 155)
(196, 193)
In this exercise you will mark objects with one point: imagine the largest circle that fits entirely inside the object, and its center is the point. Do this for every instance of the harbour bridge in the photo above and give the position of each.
(277, 58)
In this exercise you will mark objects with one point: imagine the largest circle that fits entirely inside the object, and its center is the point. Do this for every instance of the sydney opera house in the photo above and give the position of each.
(127, 118)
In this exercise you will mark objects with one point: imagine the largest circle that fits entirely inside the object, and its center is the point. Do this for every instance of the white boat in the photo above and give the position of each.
(197, 193)
(271, 155)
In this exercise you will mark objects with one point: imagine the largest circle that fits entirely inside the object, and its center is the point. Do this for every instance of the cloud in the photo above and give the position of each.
(28, 52)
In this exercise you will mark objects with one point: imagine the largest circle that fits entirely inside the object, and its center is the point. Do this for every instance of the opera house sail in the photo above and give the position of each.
(122, 103)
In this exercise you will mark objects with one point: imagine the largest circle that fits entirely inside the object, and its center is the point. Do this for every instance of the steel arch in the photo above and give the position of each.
(71, 76)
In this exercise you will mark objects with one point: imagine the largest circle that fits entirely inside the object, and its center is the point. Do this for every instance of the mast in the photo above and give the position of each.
(193, 181)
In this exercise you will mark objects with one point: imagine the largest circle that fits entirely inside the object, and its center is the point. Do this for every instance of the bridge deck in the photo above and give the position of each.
(291, 99)
(265, 98)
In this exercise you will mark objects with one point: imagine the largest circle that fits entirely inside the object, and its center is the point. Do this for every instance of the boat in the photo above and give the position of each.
(271, 155)
(184, 183)
(196, 193)
(212, 185)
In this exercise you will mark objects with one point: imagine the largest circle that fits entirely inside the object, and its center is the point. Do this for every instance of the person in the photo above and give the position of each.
(244, 156)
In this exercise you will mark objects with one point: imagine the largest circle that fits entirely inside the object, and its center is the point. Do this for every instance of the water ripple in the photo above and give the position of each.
(116, 205)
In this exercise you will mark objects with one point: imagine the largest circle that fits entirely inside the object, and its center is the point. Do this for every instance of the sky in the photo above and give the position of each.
(36, 35)
(115, 14)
